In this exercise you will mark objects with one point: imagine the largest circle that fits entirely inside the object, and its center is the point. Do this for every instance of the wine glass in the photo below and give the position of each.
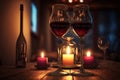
(103, 44)
(59, 23)
(81, 23)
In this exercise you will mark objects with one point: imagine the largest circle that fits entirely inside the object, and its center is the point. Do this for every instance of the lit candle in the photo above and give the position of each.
(41, 60)
(68, 58)
(70, 1)
(81, 1)
(88, 58)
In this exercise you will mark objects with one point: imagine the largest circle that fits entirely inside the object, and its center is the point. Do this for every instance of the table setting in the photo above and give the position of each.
(64, 17)
(70, 56)
(59, 40)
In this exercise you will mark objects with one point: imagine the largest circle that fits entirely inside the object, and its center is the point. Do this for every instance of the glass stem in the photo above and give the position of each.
(81, 54)
(59, 52)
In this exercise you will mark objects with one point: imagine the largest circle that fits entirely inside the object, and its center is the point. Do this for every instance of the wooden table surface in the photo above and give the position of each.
(107, 70)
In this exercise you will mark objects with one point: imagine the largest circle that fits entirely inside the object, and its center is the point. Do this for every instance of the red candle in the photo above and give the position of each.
(88, 58)
(42, 61)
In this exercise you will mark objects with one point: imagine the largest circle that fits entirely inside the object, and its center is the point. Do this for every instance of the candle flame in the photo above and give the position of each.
(68, 50)
(88, 53)
(42, 54)
(81, 1)
(70, 1)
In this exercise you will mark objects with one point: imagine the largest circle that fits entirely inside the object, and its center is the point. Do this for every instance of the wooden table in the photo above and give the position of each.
(107, 70)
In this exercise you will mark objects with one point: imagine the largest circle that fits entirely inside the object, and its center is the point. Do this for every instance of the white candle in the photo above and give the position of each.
(81, 1)
(70, 1)
(68, 58)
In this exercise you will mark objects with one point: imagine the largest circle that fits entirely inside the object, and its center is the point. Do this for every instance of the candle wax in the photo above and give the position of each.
(42, 61)
(68, 59)
(88, 59)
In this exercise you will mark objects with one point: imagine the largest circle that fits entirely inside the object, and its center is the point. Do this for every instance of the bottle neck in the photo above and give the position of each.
(21, 19)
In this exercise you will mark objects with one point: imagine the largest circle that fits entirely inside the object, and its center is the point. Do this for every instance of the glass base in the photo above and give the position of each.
(83, 73)
(71, 67)
(58, 72)
(65, 72)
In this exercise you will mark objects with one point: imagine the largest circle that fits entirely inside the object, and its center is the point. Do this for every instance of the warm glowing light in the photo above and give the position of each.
(42, 60)
(88, 54)
(68, 59)
(42, 54)
(81, 1)
(70, 1)
(68, 50)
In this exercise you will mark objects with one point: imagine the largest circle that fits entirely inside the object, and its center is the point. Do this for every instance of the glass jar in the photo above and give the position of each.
(68, 53)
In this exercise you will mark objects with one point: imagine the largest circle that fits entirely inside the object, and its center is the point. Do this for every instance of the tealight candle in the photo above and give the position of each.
(88, 58)
(41, 60)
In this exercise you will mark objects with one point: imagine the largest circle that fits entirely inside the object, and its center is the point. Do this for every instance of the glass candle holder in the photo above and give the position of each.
(68, 53)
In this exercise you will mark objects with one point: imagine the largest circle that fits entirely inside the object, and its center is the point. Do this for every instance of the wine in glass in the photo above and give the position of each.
(81, 23)
(59, 22)
(103, 44)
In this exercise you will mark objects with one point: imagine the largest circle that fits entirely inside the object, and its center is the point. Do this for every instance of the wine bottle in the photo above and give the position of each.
(21, 45)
